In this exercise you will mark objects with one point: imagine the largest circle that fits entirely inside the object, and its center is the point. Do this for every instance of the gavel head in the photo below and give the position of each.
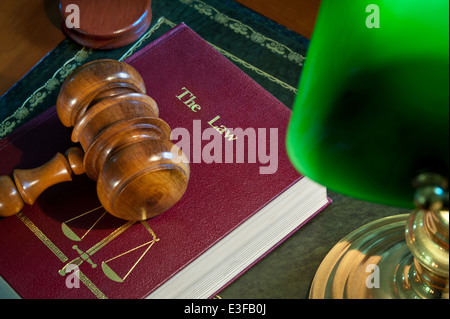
(128, 151)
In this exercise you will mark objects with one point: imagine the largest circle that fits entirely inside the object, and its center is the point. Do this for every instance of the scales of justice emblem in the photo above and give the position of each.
(85, 256)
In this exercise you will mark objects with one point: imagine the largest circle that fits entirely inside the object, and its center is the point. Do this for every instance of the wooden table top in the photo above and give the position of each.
(297, 15)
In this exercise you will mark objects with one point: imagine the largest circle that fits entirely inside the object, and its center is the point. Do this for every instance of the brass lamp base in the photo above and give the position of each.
(362, 264)
(377, 261)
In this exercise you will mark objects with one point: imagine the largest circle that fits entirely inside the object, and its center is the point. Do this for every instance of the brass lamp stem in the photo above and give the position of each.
(427, 231)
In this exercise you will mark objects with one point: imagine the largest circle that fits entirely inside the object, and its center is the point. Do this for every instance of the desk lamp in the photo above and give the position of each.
(371, 121)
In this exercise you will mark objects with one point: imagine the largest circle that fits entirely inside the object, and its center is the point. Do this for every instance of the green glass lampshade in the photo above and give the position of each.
(372, 110)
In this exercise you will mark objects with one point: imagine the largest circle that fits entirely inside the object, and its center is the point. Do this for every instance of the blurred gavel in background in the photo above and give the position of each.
(125, 147)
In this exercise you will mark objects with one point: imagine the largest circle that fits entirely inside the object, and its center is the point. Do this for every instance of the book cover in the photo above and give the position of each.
(231, 129)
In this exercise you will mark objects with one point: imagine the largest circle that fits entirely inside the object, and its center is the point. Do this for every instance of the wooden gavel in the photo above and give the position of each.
(125, 147)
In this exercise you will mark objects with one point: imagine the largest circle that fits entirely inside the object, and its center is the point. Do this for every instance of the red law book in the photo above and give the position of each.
(243, 197)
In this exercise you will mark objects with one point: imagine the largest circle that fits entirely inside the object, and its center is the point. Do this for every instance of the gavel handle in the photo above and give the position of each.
(28, 184)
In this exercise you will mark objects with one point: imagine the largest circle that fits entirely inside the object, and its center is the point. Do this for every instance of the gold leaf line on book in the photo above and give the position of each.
(245, 30)
(169, 23)
(245, 64)
(255, 69)
(38, 96)
(147, 227)
(47, 242)
(71, 234)
(111, 274)
(143, 38)
(83, 214)
(109, 238)
(39, 234)
(91, 286)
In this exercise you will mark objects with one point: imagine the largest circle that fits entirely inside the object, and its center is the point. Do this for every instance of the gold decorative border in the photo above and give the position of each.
(245, 30)
(50, 245)
(39, 234)
(253, 68)
(143, 38)
(91, 286)
(242, 62)
(41, 93)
